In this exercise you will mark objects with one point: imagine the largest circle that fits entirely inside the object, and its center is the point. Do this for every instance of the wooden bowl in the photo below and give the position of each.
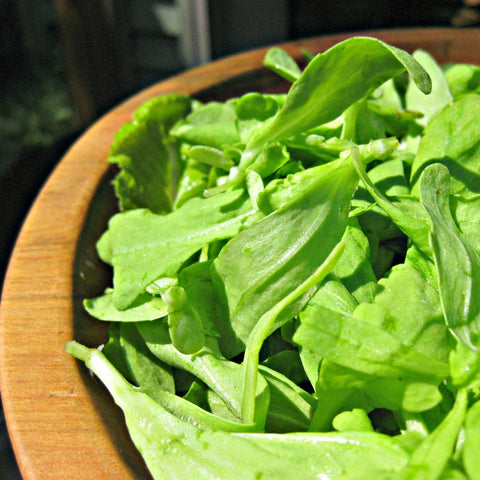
(62, 423)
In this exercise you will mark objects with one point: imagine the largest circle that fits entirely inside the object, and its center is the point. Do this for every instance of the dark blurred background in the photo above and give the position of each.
(63, 63)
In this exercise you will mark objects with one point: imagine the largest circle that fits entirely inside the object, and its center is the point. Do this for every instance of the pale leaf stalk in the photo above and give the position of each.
(262, 329)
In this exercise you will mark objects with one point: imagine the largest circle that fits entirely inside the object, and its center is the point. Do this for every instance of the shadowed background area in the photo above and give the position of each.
(63, 63)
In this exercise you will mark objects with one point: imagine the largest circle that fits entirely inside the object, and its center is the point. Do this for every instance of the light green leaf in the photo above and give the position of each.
(146, 246)
(332, 82)
(471, 445)
(266, 261)
(174, 448)
(453, 139)
(224, 377)
(282, 63)
(431, 457)
(147, 158)
(440, 96)
(145, 307)
(456, 262)
(212, 125)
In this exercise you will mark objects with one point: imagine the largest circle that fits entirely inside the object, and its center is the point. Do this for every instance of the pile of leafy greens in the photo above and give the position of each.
(296, 277)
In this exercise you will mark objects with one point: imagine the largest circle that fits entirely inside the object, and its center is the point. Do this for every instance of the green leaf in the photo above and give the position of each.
(192, 183)
(184, 323)
(257, 106)
(224, 377)
(464, 211)
(373, 343)
(453, 139)
(359, 345)
(463, 78)
(210, 156)
(197, 283)
(145, 307)
(164, 110)
(147, 158)
(195, 415)
(361, 124)
(431, 457)
(465, 367)
(407, 214)
(356, 420)
(268, 322)
(456, 262)
(290, 408)
(174, 448)
(332, 82)
(279, 61)
(266, 261)
(354, 269)
(407, 305)
(333, 295)
(272, 157)
(211, 125)
(440, 96)
(146, 246)
(471, 445)
(287, 362)
(144, 369)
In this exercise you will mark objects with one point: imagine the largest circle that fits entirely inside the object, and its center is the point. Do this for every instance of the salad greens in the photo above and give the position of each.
(296, 277)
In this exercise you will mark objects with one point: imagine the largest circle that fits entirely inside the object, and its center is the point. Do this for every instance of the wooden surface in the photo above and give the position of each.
(61, 423)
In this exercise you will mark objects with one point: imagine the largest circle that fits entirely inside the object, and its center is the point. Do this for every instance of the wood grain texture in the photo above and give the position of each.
(61, 423)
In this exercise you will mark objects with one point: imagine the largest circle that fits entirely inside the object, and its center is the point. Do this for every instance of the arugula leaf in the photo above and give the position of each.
(462, 78)
(332, 82)
(439, 97)
(453, 139)
(471, 443)
(211, 125)
(360, 124)
(362, 346)
(147, 157)
(192, 183)
(145, 307)
(184, 323)
(364, 343)
(129, 354)
(457, 264)
(356, 420)
(145, 246)
(290, 408)
(267, 323)
(431, 457)
(407, 214)
(182, 450)
(281, 250)
(464, 211)
(281, 63)
(354, 269)
(224, 377)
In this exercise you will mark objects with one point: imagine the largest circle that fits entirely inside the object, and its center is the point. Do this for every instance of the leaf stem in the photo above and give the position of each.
(77, 350)
(262, 329)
